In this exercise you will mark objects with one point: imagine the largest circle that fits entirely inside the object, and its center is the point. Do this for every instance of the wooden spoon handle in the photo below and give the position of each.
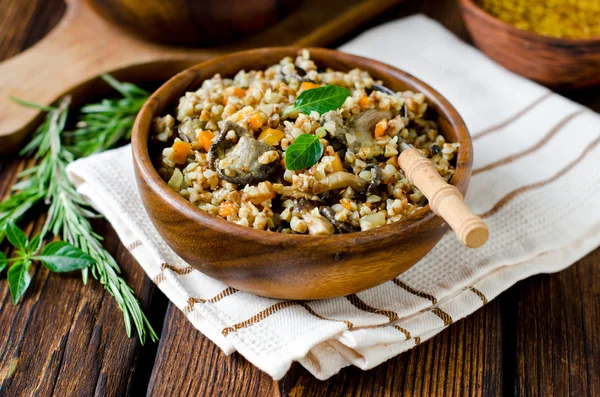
(445, 200)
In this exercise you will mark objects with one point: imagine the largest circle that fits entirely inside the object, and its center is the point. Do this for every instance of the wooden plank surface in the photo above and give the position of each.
(462, 360)
(557, 333)
(65, 338)
(539, 338)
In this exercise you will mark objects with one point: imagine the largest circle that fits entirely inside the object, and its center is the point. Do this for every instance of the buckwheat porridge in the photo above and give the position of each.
(297, 149)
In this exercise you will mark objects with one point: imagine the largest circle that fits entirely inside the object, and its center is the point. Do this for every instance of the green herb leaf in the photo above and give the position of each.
(321, 100)
(102, 125)
(3, 261)
(62, 257)
(16, 236)
(34, 245)
(304, 152)
(31, 104)
(128, 90)
(18, 279)
(107, 123)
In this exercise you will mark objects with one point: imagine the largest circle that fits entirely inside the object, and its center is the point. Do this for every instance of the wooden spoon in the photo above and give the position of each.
(445, 200)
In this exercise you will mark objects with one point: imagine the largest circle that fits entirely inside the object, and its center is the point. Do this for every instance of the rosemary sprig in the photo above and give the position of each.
(68, 212)
(67, 215)
(17, 204)
(29, 189)
(102, 125)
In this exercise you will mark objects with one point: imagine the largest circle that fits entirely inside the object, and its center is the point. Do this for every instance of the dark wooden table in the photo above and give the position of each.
(541, 337)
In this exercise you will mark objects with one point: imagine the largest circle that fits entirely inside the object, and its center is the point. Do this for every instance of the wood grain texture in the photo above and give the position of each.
(555, 62)
(288, 266)
(84, 45)
(462, 360)
(194, 22)
(557, 320)
(15, 35)
(66, 336)
(208, 371)
(495, 351)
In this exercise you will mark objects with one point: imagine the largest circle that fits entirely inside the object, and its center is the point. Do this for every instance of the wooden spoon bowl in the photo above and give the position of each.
(282, 265)
(555, 62)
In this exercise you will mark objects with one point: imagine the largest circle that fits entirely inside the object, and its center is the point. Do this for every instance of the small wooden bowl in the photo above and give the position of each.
(282, 265)
(194, 22)
(554, 62)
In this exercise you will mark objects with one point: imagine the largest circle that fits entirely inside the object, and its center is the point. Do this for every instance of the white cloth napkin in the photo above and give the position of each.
(536, 181)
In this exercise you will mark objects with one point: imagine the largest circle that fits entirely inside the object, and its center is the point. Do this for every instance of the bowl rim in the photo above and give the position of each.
(471, 5)
(144, 167)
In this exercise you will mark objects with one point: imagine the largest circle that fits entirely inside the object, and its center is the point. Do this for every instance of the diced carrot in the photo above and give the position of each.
(239, 92)
(393, 161)
(380, 128)
(337, 164)
(180, 152)
(256, 121)
(271, 136)
(204, 141)
(346, 204)
(307, 85)
(363, 102)
(282, 162)
(226, 208)
(233, 91)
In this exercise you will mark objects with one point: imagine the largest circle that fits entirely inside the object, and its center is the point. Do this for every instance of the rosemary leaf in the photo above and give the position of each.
(101, 127)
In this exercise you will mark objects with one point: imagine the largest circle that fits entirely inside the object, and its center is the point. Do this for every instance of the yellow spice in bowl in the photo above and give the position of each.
(555, 18)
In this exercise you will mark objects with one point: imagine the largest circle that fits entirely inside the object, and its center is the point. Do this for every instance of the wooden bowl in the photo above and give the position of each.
(554, 62)
(282, 265)
(194, 22)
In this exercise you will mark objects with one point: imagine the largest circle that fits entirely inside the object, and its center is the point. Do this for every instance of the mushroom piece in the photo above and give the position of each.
(342, 227)
(299, 75)
(239, 162)
(317, 224)
(382, 88)
(292, 192)
(301, 206)
(385, 90)
(340, 180)
(187, 129)
(376, 175)
(358, 134)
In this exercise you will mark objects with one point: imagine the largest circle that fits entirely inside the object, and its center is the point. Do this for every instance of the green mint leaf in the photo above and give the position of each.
(16, 236)
(321, 100)
(62, 257)
(305, 152)
(34, 245)
(18, 280)
(3, 261)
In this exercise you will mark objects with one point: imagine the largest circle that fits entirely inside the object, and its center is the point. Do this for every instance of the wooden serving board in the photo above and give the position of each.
(84, 45)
